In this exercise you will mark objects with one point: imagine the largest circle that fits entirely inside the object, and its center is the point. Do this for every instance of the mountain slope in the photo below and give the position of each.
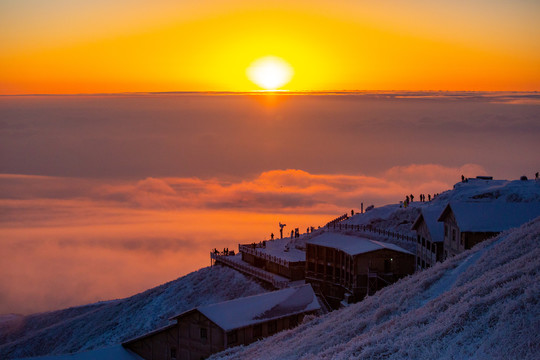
(484, 303)
(107, 323)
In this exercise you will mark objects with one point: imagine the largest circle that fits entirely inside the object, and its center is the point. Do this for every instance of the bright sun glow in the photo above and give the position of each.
(270, 72)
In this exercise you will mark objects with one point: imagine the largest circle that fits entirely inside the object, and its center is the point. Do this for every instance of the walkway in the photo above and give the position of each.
(235, 262)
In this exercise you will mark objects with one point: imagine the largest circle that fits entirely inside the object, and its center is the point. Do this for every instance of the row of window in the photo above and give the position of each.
(426, 244)
(421, 263)
(232, 336)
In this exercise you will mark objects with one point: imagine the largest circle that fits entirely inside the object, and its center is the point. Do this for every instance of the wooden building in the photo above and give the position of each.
(201, 332)
(429, 237)
(343, 267)
(468, 223)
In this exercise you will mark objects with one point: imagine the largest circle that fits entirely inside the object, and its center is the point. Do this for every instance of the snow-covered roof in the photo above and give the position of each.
(277, 248)
(352, 245)
(491, 216)
(238, 313)
(430, 215)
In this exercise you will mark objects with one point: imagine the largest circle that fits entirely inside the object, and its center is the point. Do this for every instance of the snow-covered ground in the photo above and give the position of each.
(108, 323)
(482, 304)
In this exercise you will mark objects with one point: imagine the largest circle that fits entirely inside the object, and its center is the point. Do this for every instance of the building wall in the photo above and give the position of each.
(453, 242)
(199, 337)
(334, 273)
(157, 346)
(428, 252)
(472, 238)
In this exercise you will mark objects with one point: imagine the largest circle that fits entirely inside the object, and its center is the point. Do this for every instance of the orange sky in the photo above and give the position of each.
(114, 46)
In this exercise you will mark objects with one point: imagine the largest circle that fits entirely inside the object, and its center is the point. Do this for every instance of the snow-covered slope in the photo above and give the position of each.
(483, 304)
(107, 323)
(393, 218)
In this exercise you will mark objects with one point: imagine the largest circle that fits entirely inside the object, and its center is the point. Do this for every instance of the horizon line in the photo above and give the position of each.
(282, 92)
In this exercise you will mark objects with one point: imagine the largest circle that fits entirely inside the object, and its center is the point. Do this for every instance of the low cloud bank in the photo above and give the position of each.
(70, 241)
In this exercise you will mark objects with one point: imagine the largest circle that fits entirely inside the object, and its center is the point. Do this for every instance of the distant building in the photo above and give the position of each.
(201, 332)
(468, 223)
(429, 237)
(343, 267)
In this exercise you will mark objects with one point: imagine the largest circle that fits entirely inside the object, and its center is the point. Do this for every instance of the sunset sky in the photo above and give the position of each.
(77, 46)
(127, 184)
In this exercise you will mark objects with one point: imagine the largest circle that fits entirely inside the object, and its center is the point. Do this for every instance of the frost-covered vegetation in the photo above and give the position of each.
(107, 323)
(484, 303)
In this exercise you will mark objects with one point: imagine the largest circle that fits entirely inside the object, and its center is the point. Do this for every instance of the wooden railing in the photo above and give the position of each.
(371, 230)
(250, 249)
(337, 220)
(251, 270)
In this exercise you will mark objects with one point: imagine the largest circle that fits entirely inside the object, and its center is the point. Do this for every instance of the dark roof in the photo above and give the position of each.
(154, 332)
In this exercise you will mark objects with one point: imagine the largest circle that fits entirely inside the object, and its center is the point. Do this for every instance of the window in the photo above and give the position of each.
(232, 337)
(272, 327)
(257, 331)
(418, 238)
(204, 334)
(423, 242)
(445, 230)
(311, 266)
(173, 353)
(293, 321)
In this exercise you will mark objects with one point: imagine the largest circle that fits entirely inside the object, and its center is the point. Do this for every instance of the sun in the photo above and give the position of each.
(270, 72)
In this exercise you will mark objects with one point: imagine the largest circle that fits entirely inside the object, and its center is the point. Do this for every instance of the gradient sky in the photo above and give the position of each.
(76, 46)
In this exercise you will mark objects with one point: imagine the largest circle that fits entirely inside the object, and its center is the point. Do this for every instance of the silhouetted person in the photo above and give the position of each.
(272, 236)
(292, 234)
(462, 178)
(362, 208)
(429, 197)
(407, 199)
(536, 175)
(412, 197)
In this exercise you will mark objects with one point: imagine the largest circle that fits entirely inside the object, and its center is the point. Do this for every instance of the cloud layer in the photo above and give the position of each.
(77, 240)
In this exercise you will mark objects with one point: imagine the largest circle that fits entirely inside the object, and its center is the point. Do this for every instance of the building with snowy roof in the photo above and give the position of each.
(468, 223)
(208, 329)
(429, 237)
(344, 267)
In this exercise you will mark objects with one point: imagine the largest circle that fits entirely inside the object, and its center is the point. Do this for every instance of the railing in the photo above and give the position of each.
(251, 270)
(372, 230)
(250, 249)
(337, 220)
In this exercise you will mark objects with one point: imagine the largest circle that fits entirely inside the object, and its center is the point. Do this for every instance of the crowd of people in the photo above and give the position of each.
(410, 198)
